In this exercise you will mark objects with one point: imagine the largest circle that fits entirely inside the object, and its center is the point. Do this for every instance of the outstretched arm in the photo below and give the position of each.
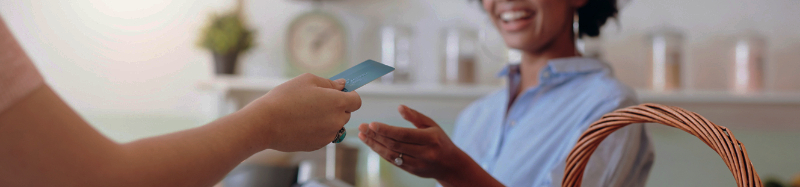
(43, 142)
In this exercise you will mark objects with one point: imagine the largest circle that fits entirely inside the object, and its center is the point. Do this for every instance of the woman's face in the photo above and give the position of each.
(532, 25)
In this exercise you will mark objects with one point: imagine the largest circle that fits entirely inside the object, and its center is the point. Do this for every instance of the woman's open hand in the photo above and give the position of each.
(427, 150)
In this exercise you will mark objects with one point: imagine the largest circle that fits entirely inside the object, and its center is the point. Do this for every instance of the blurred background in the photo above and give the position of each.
(143, 68)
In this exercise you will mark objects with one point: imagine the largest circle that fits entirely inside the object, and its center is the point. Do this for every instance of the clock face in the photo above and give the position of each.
(316, 42)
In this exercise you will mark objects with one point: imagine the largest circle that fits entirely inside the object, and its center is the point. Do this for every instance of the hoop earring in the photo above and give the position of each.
(579, 44)
(575, 24)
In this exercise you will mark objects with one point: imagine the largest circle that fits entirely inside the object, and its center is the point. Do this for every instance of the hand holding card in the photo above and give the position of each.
(358, 76)
(302, 114)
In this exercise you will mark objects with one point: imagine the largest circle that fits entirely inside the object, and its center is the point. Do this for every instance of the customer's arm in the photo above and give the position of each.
(427, 151)
(43, 142)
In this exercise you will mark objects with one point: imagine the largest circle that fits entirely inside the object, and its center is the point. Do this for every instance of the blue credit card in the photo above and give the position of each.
(362, 74)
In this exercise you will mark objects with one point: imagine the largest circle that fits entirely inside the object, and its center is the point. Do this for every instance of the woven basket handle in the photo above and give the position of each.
(717, 137)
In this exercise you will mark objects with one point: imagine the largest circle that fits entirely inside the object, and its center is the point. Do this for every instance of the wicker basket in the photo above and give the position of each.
(717, 137)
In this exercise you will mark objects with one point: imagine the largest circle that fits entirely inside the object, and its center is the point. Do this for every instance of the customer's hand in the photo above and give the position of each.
(303, 114)
(427, 151)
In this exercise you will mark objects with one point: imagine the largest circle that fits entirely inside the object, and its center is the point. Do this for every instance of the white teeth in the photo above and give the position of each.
(512, 15)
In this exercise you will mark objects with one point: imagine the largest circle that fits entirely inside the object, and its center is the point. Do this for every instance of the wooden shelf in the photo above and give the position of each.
(720, 97)
(763, 111)
(233, 83)
(371, 89)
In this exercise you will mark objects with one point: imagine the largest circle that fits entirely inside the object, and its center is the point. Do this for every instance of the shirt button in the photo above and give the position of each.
(513, 123)
(545, 74)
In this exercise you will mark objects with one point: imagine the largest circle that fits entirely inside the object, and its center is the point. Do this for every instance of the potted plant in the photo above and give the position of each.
(226, 36)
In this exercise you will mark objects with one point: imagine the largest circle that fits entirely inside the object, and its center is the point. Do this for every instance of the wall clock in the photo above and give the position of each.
(316, 43)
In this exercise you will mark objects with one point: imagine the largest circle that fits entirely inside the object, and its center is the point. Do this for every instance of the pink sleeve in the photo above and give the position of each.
(18, 78)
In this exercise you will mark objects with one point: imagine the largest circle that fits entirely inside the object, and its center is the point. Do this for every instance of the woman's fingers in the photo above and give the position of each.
(395, 145)
(418, 119)
(407, 135)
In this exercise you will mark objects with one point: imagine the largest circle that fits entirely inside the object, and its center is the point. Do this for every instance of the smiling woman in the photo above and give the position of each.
(521, 135)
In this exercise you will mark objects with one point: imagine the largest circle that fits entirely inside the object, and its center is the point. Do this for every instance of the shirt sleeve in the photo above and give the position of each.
(624, 158)
(18, 78)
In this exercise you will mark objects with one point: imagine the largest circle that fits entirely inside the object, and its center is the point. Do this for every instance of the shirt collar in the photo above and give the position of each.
(562, 65)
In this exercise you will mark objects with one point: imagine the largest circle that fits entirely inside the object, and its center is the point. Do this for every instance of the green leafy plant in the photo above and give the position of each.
(774, 182)
(226, 34)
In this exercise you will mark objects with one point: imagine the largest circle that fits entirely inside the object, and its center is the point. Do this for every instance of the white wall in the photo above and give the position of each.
(130, 67)
(117, 59)
(107, 56)
(363, 19)
(122, 60)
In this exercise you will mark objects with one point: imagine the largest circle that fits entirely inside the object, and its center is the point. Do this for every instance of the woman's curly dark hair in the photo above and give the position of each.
(593, 15)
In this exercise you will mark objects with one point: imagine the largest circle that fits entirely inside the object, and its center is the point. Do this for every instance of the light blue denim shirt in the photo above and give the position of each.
(526, 143)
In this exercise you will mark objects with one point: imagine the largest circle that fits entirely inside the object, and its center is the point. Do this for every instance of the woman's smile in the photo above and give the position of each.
(512, 18)
(515, 20)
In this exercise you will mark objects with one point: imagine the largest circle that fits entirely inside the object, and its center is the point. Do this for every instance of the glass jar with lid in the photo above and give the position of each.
(459, 65)
(748, 63)
(396, 52)
(666, 47)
